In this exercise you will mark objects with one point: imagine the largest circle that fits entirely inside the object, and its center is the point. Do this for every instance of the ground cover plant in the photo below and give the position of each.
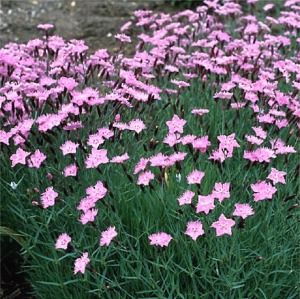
(169, 173)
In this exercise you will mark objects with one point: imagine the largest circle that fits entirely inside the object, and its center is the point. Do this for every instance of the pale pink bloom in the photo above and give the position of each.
(254, 140)
(171, 139)
(120, 159)
(243, 210)
(81, 263)
(45, 27)
(96, 157)
(98, 191)
(141, 165)
(105, 133)
(263, 190)
(62, 241)
(268, 6)
(186, 198)
(180, 84)
(70, 170)
(223, 225)
(161, 239)
(4, 137)
(195, 177)
(145, 178)
(68, 83)
(218, 155)
(260, 132)
(123, 38)
(86, 203)
(205, 204)
(194, 229)
(69, 147)
(36, 159)
(260, 155)
(176, 124)
(280, 148)
(228, 142)
(126, 26)
(177, 157)
(201, 144)
(48, 197)
(277, 176)
(224, 95)
(187, 139)
(136, 125)
(200, 112)
(221, 191)
(95, 140)
(19, 157)
(107, 236)
(89, 216)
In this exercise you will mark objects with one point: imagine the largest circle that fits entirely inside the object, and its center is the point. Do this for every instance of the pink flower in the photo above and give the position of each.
(107, 236)
(263, 190)
(221, 191)
(68, 83)
(19, 157)
(161, 239)
(277, 176)
(194, 229)
(223, 225)
(136, 125)
(69, 147)
(195, 177)
(260, 155)
(120, 159)
(201, 144)
(4, 137)
(205, 204)
(123, 38)
(81, 263)
(98, 191)
(48, 197)
(243, 210)
(89, 216)
(36, 159)
(141, 165)
(200, 112)
(95, 140)
(176, 124)
(62, 241)
(70, 170)
(228, 142)
(186, 198)
(45, 27)
(145, 177)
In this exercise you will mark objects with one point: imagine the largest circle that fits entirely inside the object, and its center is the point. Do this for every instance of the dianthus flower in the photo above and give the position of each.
(194, 229)
(62, 241)
(277, 176)
(81, 263)
(107, 236)
(243, 210)
(161, 239)
(195, 177)
(48, 197)
(223, 225)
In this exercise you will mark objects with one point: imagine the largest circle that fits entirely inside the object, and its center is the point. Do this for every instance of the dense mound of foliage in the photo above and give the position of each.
(170, 173)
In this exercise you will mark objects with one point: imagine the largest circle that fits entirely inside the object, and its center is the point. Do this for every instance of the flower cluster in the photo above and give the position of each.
(96, 130)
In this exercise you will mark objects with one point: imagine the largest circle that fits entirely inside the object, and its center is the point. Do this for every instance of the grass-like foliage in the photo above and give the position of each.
(168, 173)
